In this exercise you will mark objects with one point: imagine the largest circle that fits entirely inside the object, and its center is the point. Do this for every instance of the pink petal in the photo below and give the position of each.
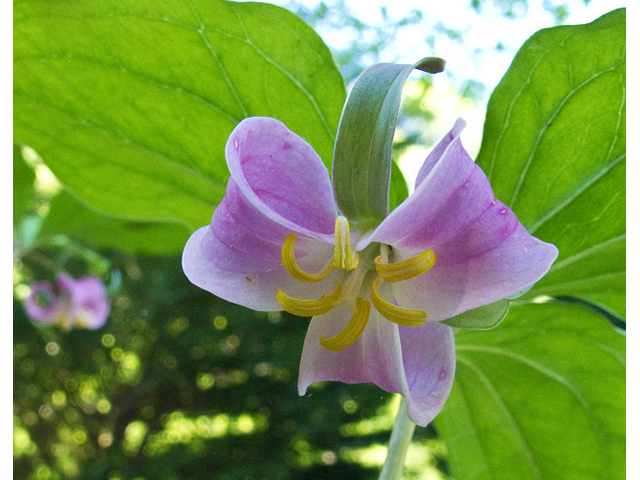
(36, 311)
(492, 258)
(439, 149)
(418, 363)
(241, 267)
(281, 176)
(483, 252)
(451, 191)
(87, 295)
(278, 186)
(429, 364)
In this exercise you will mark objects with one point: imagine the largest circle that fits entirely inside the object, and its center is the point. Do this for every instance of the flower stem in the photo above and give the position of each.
(399, 442)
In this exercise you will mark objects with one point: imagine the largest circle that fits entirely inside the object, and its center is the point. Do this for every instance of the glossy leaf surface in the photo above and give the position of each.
(541, 396)
(130, 103)
(554, 150)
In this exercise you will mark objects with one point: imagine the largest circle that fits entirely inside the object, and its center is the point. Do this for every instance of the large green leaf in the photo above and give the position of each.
(23, 191)
(554, 150)
(69, 216)
(540, 397)
(130, 103)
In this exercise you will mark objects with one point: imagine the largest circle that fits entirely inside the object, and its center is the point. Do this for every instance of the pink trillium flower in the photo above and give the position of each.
(278, 242)
(81, 303)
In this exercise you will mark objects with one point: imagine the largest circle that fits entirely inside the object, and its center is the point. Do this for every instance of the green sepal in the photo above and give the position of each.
(362, 155)
(398, 190)
(481, 318)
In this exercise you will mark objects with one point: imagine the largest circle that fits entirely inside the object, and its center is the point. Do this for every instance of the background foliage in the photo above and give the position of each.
(130, 104)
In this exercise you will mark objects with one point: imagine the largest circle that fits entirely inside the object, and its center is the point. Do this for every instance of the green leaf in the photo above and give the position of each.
(23, 191)
(130, 103)
(362, 157)
(554, 150)
(70, 216)
(540, 397)
(481, 318)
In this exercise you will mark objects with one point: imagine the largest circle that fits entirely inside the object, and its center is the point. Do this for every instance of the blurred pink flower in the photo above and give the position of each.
(81, 303)
(277, 242)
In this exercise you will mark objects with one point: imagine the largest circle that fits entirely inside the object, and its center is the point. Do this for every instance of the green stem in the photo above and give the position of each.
(399, 442)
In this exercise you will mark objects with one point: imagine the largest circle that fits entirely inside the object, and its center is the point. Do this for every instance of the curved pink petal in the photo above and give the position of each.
(278, 186)
(244, 268)
(483, 252)
(437, 152)
(451, 191)
(492, 258)
(429, 357)
(418, 363)
(38, 312)
(281, 176)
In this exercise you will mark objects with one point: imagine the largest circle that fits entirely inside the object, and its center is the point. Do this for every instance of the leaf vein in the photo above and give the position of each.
(295, 81)
(548, 123)
(507, 413)
(586, 253)
(144, 148)
(580, 282)
(558, 378)
(216, 58)
(576, 193)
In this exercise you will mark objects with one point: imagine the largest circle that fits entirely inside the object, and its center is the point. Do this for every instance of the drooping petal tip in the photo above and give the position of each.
(278, 187)
(281, 176)
(417, 362)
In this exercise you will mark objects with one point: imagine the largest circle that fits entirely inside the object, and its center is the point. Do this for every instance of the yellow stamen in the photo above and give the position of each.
(291, 265)
(406, 317)
(309, 308)
(352, 331)
(406, 269)
(343, 256)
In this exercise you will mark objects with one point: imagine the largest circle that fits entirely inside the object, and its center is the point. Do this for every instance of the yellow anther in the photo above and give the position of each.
(406, 269)
(406, 317)
(309, 308)
(291, 265)
(352, 331)
(343, 256)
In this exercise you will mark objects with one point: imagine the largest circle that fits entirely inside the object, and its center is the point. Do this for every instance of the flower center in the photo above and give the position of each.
(349, 290)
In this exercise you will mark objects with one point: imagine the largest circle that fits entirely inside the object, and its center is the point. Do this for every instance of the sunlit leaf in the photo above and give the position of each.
(23, 192)
(70, 216)
(554, 149)
(130, 103)
(541, 396)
